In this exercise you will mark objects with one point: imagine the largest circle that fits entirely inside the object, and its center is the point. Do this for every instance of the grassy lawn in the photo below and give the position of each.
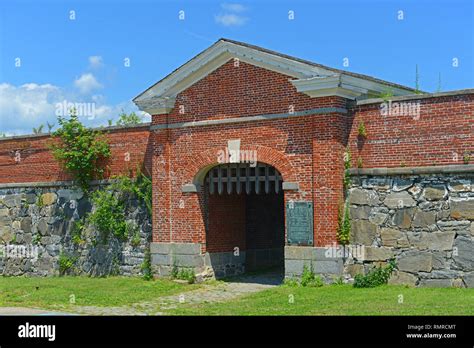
(343, 300)
(55, 292)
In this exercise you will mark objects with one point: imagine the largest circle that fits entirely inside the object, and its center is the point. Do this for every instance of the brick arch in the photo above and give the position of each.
(206, 160)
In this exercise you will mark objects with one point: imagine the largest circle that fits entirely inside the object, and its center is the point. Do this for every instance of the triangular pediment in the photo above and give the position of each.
(309, 78)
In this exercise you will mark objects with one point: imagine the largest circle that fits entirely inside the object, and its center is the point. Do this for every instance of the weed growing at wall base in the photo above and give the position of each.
(66, 263)
(375, 277)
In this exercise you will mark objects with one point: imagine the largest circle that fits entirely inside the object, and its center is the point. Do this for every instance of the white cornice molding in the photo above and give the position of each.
(156, 105)
(342, 85)
(336, 84)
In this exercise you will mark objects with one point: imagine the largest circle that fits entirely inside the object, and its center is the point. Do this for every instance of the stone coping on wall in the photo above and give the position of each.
(145, 125)
(442, 169)
(51, 184)
(416, 96)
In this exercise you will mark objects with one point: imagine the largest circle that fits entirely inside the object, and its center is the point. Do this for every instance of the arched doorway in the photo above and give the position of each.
(245, 226)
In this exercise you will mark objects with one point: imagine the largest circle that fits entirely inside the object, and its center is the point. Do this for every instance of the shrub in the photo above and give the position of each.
(79, 149)
(110, 202)
(109, 214)
(128, 119)
(140, 187)
(375, 277)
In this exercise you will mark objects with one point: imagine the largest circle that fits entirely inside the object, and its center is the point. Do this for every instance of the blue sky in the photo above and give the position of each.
(82, 60)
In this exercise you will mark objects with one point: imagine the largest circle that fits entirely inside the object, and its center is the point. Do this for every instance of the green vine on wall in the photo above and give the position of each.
(79, 149)
(109, 214)
(343, 217)
(347, 166)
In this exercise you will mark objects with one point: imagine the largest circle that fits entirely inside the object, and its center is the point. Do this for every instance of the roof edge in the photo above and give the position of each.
(417, 96)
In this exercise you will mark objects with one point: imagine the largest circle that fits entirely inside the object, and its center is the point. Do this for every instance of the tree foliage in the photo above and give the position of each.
(128, 119)
(80, 150)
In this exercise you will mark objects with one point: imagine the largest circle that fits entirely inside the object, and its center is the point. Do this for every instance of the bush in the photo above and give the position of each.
(79, 149)
(128, 119)
(109, 214)
(110, 206)
(375, 277)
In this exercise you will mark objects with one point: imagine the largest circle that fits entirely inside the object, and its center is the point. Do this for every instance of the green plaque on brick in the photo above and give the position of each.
(299, 223)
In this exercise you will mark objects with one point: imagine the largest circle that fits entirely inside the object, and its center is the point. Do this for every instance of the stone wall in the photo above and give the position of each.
(36, 227)
(324, 261)
(424, 221)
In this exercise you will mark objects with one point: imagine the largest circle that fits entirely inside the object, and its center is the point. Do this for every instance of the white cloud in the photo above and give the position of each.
(29, 105)
(229, 20)
(86, 83)
(233, 7)
(95, 62)
(232, 16)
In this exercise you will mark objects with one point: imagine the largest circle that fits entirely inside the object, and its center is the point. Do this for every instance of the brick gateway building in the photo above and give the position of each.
(248, 159)
(246, 148)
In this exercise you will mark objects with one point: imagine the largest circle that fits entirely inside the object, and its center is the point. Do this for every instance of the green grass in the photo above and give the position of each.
(342, 300)
(55, 292)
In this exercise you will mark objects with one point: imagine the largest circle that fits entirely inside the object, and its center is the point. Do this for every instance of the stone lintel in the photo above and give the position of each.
(189, 188)
(290, 186)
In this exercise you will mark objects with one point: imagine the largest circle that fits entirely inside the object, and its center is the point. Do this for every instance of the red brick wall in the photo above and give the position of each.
(442, 134)
(226, 223)
(38, 165)
(241, 91)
